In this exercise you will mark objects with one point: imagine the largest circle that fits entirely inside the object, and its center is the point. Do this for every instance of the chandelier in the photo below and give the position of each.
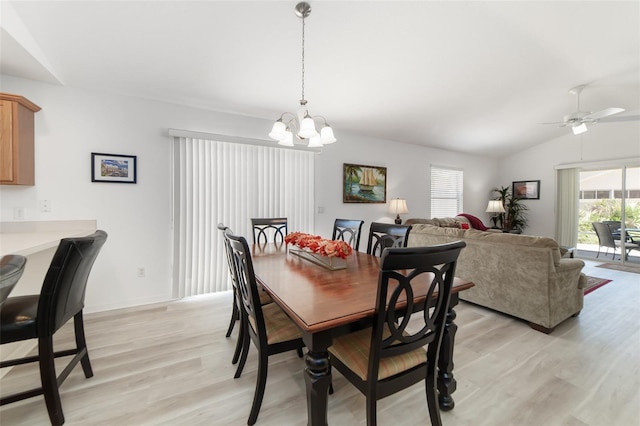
(301, 123)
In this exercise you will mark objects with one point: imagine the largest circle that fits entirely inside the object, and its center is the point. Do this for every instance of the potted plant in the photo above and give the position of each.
(515, 217)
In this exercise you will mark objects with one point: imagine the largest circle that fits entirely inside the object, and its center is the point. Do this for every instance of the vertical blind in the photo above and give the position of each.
(222, 182)
(568, 209)
(446, 191)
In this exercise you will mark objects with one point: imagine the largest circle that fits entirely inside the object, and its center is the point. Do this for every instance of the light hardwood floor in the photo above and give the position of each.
(170, 364)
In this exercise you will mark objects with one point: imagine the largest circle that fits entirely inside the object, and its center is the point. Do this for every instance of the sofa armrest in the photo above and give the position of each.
(568, 265)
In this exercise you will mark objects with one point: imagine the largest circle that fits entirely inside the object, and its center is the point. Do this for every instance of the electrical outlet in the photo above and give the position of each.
(45, 206)
(142, 272)
(18, 213)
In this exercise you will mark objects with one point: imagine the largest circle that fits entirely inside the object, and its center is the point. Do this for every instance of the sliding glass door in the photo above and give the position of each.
(611, 196)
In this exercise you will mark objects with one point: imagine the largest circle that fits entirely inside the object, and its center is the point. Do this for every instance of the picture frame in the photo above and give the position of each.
(114, 168)
(526, 189)
(364, 184)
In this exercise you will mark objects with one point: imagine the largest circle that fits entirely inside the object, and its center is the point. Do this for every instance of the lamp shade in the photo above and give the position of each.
(287, 140)
(277, 131)
(495, 206)
(398, 206)
(327, 135)
(307, 128)
(315, 141)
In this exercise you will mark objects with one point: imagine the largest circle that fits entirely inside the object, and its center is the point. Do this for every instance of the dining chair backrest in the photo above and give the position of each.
(383, 235)
(245, 279)
(400, 270)
(227, 250)
(64, 287)
(348, 230)
(266, 230)
(11, 269)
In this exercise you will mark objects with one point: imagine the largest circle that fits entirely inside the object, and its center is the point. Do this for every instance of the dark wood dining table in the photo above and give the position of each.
(326, 303)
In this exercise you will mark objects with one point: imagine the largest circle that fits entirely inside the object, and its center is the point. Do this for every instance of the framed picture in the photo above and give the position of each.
(526, 189)
(364, 184)
(113, 168)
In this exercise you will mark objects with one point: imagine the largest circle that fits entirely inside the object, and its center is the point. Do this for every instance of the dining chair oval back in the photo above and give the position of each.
(267, 326)
(348, 230)
(269, 230)
(390, 356)
(383, 235)
(11, 269)
(40, 316)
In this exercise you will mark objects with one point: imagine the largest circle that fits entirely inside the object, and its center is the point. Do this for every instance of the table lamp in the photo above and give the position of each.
(398, 206)
(495, 206)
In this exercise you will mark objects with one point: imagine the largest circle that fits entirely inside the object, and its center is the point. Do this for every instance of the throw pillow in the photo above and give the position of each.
(474, 221)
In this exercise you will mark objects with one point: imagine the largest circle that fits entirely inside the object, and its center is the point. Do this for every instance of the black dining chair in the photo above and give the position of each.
(41, 316)
(267, 326)
(235, 311)
(266, 230)
(11, 269)
(392, 355)
(348, 230)
(383, 235)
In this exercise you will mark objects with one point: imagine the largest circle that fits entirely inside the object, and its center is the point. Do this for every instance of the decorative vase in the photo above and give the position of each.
(330, 263)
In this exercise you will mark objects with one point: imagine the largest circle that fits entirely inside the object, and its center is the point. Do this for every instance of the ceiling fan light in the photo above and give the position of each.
(579, 129)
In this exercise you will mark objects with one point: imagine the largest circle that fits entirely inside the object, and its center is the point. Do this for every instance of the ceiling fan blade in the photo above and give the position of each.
(604, 113)
(623, 118)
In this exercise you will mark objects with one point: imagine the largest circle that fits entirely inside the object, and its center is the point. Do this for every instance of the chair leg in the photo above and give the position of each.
(242, 334)
(371, 411)
(263, 366)
(299, 352)
(49, 380)
(81, 344)
(234, 316)
(432, 398)
(243, 352)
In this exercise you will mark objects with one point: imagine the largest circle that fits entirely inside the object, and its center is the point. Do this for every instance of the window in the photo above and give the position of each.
(446, 191)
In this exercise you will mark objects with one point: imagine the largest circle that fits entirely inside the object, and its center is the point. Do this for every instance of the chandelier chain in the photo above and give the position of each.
(302, 59)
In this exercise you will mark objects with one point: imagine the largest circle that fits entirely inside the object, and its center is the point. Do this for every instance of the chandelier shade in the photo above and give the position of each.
(303, 125)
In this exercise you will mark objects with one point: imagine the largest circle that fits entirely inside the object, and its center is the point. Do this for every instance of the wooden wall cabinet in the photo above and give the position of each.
(17, 140)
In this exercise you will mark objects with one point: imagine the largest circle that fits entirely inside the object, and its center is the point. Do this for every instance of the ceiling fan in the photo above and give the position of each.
(579, 119)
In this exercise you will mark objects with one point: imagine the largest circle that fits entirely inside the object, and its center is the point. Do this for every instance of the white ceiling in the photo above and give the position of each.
(475, 76)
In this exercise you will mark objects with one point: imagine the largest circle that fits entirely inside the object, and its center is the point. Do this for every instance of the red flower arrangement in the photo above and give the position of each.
(317, 244)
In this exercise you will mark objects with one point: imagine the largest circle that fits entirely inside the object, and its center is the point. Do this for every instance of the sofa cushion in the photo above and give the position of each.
(475, 222)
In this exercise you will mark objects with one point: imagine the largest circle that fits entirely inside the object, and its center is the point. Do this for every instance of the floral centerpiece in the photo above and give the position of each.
(319, 248)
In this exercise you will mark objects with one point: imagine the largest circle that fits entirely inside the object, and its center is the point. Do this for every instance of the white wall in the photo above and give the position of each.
(75, 122)
(603, 141)
(408, 176)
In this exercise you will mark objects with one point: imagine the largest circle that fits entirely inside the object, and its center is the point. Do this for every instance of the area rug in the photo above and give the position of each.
(594, 283)
(618, 267)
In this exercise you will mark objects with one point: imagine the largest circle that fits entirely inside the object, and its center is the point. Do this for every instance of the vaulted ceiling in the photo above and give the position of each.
(470, 76)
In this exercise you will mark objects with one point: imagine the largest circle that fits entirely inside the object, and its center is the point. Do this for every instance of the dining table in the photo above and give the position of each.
(326, 303)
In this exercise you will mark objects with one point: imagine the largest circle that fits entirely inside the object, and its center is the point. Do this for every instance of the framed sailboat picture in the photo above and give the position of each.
(364, 184)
